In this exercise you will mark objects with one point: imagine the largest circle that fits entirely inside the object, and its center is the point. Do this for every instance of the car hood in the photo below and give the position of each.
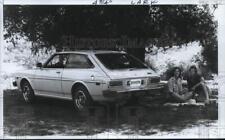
(136, 73)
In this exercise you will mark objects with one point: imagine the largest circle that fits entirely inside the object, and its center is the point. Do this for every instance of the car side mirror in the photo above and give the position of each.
(39, 65)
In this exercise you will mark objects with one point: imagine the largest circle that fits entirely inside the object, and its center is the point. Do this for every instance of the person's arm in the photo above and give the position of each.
(195, 86)
(170, 85)
(201, 81)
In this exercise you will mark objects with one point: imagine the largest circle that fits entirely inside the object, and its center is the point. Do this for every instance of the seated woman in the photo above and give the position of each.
(197, 85)
(176, 90)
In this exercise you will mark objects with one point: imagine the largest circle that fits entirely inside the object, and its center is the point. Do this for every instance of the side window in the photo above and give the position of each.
(78, 61)
(58, 61)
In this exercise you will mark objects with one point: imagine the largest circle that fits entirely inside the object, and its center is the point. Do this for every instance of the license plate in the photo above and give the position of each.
(135, 82)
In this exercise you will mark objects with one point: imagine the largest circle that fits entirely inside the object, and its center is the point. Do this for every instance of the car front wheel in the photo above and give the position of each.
(81, 98)
(27, 91)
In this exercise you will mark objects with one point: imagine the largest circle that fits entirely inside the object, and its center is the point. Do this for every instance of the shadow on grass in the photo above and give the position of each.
(57, 117)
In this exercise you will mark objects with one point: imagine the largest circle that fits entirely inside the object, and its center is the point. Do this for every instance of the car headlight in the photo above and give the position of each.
(115, 83)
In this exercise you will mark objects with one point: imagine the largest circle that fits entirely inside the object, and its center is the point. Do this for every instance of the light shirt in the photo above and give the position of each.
(175, 85)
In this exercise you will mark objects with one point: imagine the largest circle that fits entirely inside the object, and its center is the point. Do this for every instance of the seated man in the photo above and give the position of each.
(197, 85)
(176, 90)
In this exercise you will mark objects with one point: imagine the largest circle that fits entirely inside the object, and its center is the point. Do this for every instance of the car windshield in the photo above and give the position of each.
(120, 61)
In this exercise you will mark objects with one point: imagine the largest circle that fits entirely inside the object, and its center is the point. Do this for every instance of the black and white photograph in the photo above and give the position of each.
(105, 69)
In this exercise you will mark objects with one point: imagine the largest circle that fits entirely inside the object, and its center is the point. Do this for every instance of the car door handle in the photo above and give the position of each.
(58, 72)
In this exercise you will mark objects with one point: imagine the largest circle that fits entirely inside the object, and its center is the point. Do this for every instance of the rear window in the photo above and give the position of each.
(119, 61)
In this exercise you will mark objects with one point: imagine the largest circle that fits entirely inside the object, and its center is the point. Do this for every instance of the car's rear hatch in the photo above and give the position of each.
(131, 73)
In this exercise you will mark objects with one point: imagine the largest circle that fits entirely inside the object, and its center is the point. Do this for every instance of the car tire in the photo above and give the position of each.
(81, 98)
(28, 92)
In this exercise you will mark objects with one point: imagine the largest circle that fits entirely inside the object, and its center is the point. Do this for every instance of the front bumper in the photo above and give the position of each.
(126, 93)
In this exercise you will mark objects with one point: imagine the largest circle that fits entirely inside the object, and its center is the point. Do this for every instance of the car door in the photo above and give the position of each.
(79, 68)
(48, 78)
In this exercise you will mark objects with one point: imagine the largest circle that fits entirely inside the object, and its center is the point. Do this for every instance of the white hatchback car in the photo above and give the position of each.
(86, 76)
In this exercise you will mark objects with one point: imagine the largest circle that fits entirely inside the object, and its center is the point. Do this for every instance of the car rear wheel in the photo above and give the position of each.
(81, 98)
(28, 92)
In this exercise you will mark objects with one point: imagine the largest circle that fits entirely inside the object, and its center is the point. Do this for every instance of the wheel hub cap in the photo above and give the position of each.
(80, 100)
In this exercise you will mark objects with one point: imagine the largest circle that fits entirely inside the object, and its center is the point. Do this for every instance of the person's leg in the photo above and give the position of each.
(183, 97)
(203, 93)
(206, 93)
(186, 96)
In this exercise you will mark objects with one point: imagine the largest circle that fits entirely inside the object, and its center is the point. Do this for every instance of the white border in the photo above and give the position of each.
(221, 52)
(221, 70)
(114, 2)
(1, 58)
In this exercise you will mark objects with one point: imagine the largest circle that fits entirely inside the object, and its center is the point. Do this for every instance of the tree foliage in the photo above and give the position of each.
(162, 26)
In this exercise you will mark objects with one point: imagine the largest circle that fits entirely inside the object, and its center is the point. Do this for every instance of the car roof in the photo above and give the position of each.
(89, 52)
